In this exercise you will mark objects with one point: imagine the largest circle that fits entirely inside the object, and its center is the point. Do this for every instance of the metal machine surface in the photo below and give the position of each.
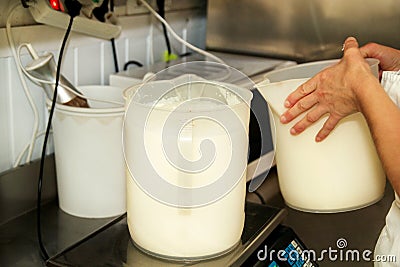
(300, 30)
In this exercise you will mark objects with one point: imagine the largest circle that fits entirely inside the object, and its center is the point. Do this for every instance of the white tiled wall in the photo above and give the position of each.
(86, 60)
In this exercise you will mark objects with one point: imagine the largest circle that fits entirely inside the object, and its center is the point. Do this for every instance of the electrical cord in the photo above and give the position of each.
(101, 11)
(113, 46)
(73, 8)
(23, 82)
(185, 54)
(21, 154)
(177, 37)
(114, 50)
(132, 62)
(25, 3)
(260, 197)
(161, 12)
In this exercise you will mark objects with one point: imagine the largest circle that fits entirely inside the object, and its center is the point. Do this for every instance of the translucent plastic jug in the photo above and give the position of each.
(186, 145)
(339, 174)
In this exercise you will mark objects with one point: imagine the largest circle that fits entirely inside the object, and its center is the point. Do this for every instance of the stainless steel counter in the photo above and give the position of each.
(360, 228)
(18, 239)
(114, 247)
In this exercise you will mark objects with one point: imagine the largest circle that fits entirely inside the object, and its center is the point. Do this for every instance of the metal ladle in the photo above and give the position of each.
(43, 68)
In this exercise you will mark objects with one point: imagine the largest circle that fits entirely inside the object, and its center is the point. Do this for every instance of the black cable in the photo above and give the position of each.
(114, 50)
(185, 54)
(25, 3)
(260, 197)
(161, 12)
(45, 255)
(100, 12)
(132, 62)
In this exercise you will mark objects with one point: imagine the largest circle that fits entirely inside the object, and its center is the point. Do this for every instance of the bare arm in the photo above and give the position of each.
(389, 57)
(383, 118)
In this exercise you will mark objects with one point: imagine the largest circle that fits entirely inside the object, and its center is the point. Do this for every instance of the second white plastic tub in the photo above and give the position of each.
(89, 159)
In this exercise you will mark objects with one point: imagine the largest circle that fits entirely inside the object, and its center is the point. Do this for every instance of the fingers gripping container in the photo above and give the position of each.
(341, 173)
(88, 154)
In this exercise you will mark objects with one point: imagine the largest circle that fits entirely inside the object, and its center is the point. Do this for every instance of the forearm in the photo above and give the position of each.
(383, 118)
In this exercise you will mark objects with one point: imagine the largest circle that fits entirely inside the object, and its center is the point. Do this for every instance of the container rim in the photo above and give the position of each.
(245, 96)
(371, 61)
(82, 110)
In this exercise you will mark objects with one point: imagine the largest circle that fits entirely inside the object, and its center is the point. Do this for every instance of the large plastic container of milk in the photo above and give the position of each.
(186, 145)
(341, 173)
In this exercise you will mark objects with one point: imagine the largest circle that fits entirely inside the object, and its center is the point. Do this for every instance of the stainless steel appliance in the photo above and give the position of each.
(301, 30)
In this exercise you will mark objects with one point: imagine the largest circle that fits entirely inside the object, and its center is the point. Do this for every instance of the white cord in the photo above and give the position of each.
(39, 81)
(177, 37)
(18, 160)
(24, 85)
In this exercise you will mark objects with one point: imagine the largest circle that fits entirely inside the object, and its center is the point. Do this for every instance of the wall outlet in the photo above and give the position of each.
(43, 13)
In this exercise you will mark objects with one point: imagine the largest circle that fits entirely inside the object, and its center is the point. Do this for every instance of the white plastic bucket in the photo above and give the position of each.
(339, 174)
(170, 230)
(88, 154)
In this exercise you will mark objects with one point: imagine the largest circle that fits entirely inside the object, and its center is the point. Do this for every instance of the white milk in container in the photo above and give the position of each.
(339, 174)
(186, 145)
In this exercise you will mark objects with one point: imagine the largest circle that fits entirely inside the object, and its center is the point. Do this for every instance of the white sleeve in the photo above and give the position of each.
(391, 84)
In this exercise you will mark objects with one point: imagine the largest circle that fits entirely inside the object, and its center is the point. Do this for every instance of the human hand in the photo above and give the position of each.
(333, 91)
(389, 57)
